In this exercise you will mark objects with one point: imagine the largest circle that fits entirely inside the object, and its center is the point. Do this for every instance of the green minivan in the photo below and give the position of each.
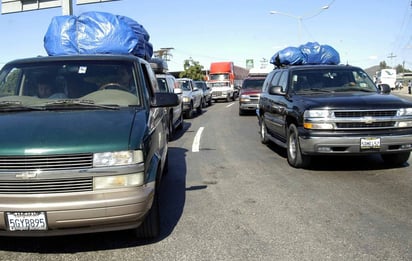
(83, 145)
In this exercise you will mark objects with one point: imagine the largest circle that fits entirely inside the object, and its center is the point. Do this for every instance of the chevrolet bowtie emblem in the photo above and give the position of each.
(368, 120)
(28, 174)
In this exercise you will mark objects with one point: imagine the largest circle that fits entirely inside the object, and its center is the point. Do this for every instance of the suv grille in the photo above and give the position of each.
(365, 119)
(390, 113)
(48, 162)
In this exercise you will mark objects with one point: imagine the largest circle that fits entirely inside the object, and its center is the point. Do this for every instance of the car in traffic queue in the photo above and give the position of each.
(206, 91)
(326, 109)
(192, 97)
(90, 162)
(249, 94)
(167, 84)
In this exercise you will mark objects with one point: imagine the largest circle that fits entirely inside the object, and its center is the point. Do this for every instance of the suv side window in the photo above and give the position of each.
(267, 81)
(275, 79)
(283, 81)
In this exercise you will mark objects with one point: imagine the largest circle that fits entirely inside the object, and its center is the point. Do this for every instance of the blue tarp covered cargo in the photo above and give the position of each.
(309, 53)
(97, 32)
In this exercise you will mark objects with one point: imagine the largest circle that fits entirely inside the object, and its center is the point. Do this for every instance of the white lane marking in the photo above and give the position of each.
(196, 141)
(227, 106)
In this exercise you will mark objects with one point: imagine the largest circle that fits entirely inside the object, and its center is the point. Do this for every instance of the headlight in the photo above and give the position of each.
(244, 98)
(186, 99)
(405, 112)
(317, 114)
(404, 124)
(117, 158)
(118, 181)
(317, 119)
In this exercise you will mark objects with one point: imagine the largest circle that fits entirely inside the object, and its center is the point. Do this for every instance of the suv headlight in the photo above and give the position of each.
(317, 114)
(186, 99)
(318, 119)
(405, 112)
(117, 158)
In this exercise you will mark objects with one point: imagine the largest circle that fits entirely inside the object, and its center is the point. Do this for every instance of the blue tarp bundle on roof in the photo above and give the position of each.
(309, 53)
(97, 33)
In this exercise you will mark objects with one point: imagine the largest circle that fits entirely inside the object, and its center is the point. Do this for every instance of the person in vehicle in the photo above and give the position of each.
(123, 80)
(45, 88)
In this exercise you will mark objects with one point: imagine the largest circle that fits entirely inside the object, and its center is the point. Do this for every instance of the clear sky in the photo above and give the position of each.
(364, 32)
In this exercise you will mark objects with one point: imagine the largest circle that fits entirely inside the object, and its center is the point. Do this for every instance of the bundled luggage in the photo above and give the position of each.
(97, 33)
(309, 53)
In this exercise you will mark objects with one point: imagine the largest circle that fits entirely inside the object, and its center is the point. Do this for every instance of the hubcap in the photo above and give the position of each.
(292, 146)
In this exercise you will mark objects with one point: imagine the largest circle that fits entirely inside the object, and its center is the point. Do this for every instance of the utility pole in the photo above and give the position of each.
(164, 53)
(391, 56)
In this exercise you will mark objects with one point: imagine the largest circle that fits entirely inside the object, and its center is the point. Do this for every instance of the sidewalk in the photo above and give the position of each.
(402, 92)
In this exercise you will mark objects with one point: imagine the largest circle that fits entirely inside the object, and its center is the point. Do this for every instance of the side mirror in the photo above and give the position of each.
(384, 88)
(276, 90)
(195, 89)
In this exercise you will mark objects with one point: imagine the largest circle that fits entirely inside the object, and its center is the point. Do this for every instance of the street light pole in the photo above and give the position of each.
(300, 18)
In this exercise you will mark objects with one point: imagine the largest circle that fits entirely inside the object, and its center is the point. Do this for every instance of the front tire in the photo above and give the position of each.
(199, 109)
(295, 157)
(171, 127)
(189, 113)
(150, 228)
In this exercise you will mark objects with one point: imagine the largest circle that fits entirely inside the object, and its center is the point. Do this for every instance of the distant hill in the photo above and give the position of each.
(371, 71)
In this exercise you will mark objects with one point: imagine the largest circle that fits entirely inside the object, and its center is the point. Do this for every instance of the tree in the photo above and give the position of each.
(192, 70)
(382, 65)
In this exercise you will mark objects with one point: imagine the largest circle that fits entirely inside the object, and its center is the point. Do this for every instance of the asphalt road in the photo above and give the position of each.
(233, 198)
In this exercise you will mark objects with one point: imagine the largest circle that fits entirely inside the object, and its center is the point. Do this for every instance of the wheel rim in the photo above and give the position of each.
(262, 130)
(292, 146)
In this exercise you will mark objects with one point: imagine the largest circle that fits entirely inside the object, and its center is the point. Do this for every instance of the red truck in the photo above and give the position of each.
(223, 77)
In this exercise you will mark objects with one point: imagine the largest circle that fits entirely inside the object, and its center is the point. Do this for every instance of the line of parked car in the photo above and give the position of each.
(193, 95)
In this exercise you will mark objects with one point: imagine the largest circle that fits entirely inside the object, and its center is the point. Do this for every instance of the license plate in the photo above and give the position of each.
(23, 221)
(370, 143)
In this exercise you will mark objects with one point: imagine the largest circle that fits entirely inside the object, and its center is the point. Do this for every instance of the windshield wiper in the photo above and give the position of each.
(315, 90)
(16, 106)
(79, 103)
(354, 89)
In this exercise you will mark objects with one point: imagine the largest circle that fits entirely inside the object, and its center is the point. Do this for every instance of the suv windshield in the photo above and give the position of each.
(40, 84)
(334, 80)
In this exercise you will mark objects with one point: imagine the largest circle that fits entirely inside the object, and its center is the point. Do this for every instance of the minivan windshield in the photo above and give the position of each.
(60, 83)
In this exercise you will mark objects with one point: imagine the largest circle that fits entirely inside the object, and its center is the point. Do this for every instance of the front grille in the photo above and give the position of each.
(352, 125)
(46, 186)
(217, 94)
(365, 119)
(374, 113)
(48, 162)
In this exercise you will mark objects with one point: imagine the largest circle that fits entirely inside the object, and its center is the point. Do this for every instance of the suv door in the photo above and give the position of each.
(278, 108)
(267, 101)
